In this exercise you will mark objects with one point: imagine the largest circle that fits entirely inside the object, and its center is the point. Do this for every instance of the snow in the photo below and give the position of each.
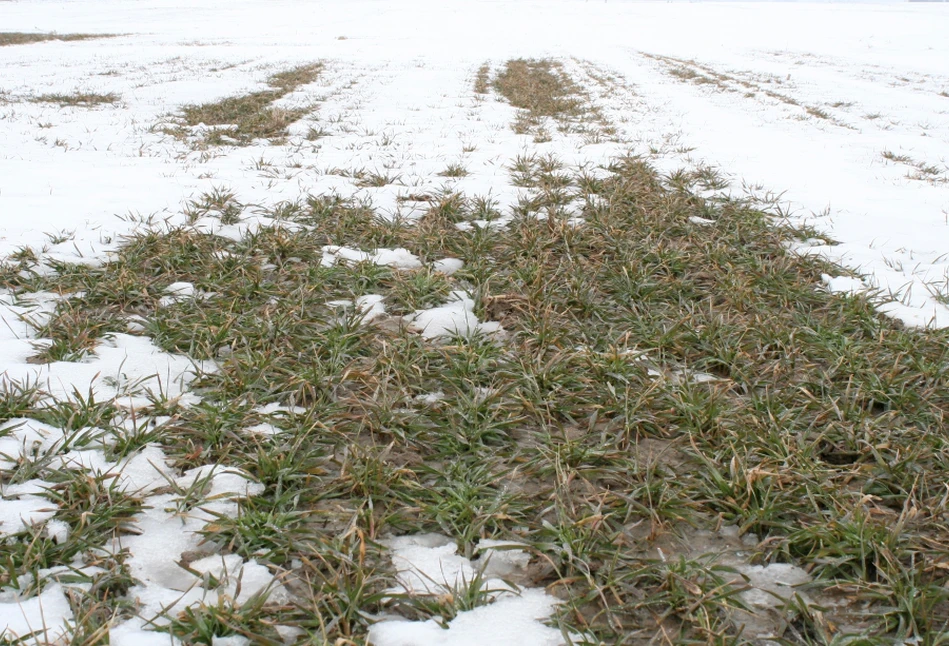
(134, 633)
(430, 399)
(367, 307)
(169, 533)
(370, 307)
(512, 621)
(22, 512)
(57, 530)
(396, 103)
(43, 617)
(395, 100)
(455, 317)
(177, 292)
(124, 366)
(448, 266)
(843, 284)
(396, 258)
(181, 289)
(240, 580)
(428, 564)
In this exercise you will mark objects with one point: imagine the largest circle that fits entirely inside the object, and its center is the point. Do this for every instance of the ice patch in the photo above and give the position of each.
(772, 584)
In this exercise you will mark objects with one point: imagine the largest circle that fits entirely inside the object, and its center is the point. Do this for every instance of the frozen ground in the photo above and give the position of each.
(836, 114)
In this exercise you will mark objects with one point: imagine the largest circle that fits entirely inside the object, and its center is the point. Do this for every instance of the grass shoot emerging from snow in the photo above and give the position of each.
(239, 120)
(79, 99)
(691, 71)
(920, 170)
(546, 97)
(540, 89)
(539, 86)
(482, 83)
(25, 38)
(667, 368)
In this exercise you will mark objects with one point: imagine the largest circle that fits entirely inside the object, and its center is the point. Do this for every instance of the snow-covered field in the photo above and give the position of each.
(836, 114)
(398, 90)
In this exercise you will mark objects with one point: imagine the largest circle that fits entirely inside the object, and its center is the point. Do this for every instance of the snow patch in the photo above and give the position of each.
(396, 258)
(447, 266)
(456, 317)
(429, 564)
(46, 615)
(843, 284)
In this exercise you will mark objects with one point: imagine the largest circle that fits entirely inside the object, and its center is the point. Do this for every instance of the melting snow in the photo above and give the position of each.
(447, 266)
(843, 284)
(428, 564)
(396, 258)
(44, 615)
(456, 317)
(404, 108)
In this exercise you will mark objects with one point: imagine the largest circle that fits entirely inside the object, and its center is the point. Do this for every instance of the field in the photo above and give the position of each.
(495, 322)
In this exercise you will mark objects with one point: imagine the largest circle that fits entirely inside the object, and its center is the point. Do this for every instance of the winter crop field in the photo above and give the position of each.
(479, 322)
